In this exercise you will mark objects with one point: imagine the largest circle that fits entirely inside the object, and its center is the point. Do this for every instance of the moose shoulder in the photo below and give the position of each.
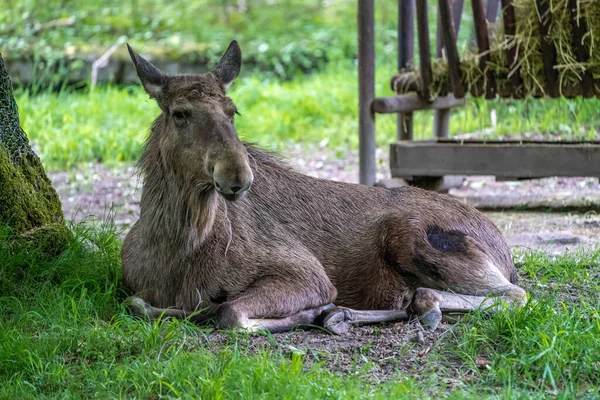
(228, 231)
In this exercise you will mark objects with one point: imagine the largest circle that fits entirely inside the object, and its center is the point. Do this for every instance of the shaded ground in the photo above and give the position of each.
(95, 189)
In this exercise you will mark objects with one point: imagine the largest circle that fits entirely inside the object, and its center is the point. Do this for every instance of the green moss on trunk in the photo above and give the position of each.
(29, 205)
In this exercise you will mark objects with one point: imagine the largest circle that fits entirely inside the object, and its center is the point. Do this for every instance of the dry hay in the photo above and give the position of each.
(529, 61)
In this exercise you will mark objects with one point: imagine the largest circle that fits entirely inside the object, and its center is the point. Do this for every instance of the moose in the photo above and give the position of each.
(231, 232)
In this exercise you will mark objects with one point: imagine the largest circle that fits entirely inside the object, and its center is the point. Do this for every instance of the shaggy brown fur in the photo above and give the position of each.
(230, 230)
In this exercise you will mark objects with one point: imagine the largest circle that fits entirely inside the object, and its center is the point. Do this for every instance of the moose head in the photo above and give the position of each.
(197, 136)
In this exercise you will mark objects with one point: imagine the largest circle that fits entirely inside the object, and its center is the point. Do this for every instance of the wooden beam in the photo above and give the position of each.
(510, 24)
(412, 102)
(449, 34)
(483, 43)
(502, 159)
(366, 91)
(578, 24)
(406, 50)
(548, 49)
(424, 47)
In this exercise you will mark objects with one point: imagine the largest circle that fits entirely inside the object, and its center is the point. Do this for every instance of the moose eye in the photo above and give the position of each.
(180, 116)
(236, 112)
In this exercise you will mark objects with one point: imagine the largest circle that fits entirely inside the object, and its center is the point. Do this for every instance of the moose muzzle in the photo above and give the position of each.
(232, 180)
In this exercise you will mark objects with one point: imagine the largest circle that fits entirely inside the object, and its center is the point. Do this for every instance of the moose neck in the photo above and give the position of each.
(172, 203)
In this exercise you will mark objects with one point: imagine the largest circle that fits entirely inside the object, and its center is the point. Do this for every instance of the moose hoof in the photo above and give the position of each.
(430, 320)
(336, 321)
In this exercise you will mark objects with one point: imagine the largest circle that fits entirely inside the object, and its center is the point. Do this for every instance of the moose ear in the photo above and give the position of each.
(228, 67)
(153, 80)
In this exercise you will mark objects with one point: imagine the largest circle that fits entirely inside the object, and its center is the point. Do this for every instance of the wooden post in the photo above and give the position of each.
(483, 44)
(548, 49)
(578, 25)
(406, 40)
(366, 91)
(510, 23)
(449, 35)
(491, 10)
(457, 10)
(424, 48)
(441, 118)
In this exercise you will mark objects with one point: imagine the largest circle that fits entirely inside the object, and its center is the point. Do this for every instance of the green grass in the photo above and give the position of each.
(553, 343)
(109, 124)
(64, 333)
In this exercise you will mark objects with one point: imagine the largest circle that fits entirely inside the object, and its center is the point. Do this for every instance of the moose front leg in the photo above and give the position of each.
(309, 316)
(279, 303)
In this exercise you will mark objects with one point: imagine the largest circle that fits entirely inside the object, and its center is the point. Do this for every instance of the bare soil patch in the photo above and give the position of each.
(374, 352)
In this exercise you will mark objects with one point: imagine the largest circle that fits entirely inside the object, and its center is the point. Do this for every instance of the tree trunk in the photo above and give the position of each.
(29, 205)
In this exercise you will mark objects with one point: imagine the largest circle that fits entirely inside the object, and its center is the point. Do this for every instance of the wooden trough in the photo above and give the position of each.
(417, 160)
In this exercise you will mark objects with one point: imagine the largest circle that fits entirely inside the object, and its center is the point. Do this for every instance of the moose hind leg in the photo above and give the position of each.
(467, 273)
(432, 306)
(339, 320)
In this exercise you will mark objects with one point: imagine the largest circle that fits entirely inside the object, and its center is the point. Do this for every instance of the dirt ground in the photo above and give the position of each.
(374, 352)
(97, 190)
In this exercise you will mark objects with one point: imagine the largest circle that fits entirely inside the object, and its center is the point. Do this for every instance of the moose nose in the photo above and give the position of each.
(230, 189)
(234, 189)
(231, 192)
(232, 179)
